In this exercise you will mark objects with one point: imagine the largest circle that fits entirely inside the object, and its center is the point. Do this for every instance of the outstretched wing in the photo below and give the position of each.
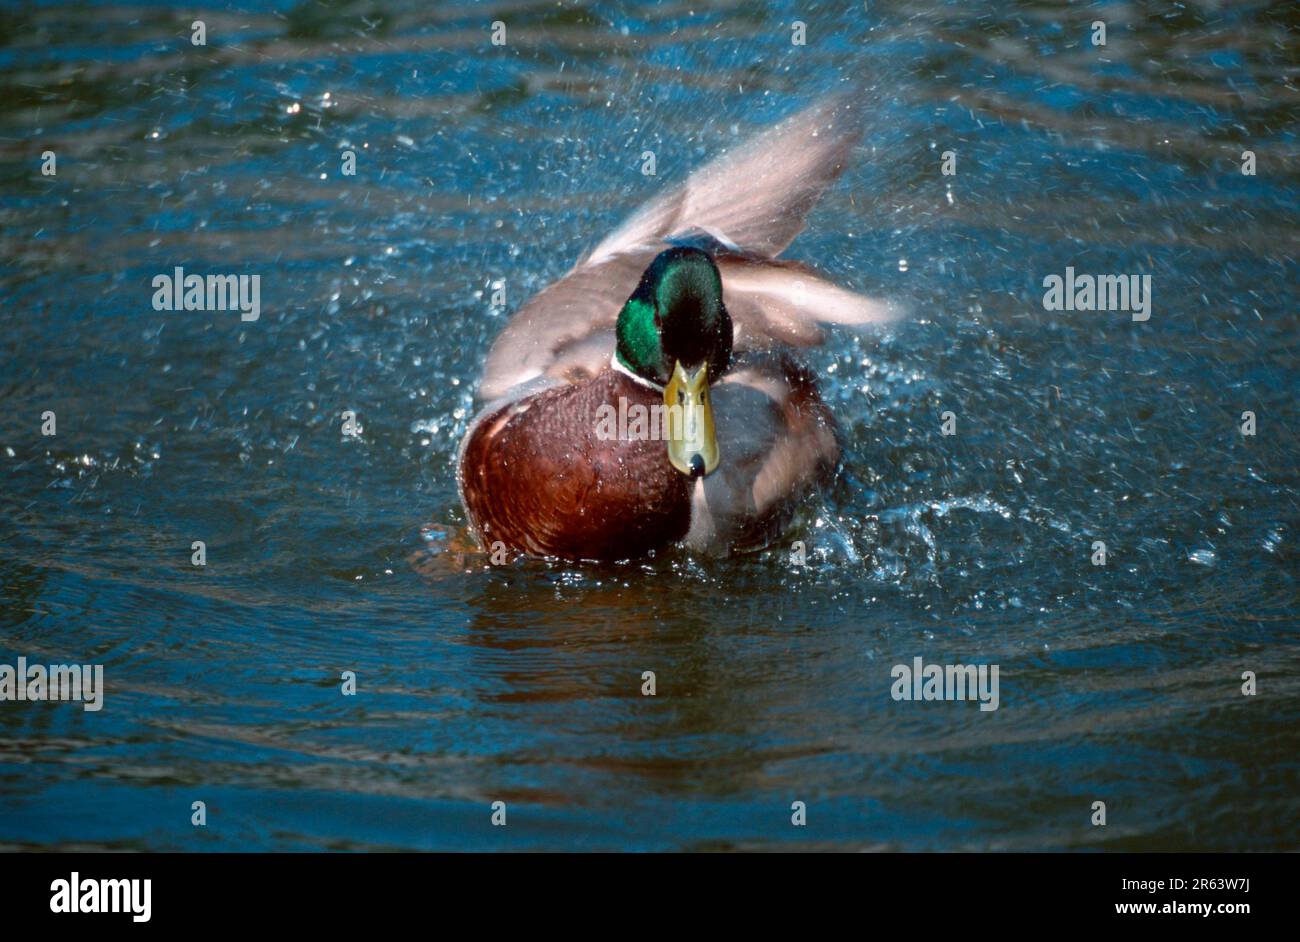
(756, 196)
(747, 204)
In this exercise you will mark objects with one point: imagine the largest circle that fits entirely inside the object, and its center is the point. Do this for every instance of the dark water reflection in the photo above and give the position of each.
(523, 684)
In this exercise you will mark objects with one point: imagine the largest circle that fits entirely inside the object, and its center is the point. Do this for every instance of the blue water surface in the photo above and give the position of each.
(522, 684)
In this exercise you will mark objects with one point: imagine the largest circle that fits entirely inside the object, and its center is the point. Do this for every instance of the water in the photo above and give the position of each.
(522, 684)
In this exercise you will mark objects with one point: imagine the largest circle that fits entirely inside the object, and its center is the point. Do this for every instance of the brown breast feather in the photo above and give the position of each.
(536, 477)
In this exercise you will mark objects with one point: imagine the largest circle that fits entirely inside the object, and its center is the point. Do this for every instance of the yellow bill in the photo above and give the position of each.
(692, 446)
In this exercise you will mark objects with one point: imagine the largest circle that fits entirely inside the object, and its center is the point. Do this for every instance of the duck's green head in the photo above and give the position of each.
(675, 332)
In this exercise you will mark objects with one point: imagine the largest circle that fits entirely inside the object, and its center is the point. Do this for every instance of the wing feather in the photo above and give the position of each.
(746, 206)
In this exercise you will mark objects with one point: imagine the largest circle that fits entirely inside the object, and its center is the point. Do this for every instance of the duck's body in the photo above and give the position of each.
(536, 476)
(710, 324)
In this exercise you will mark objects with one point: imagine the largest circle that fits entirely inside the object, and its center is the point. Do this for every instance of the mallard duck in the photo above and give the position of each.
(685, 307)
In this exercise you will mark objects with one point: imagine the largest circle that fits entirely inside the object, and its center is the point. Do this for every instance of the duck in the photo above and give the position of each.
(686, 314)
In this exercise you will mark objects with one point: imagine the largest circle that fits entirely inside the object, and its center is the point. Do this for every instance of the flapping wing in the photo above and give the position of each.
(560, 332)
(745, 206)
(757, 195)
